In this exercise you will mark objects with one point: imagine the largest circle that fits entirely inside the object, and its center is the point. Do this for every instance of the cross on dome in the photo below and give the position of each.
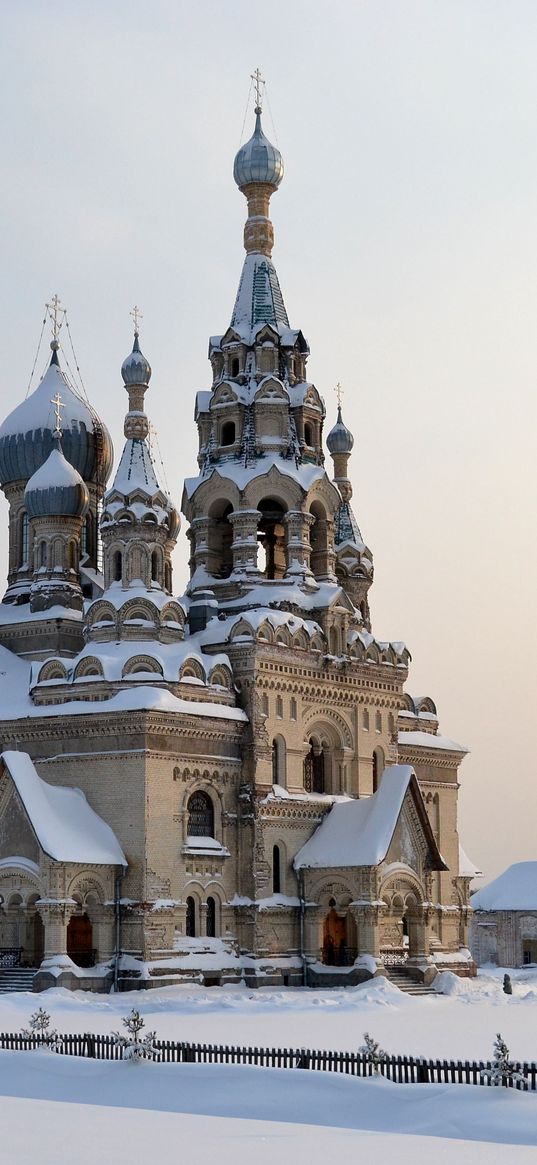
(258, 82)
(58, 406)
(339, 391)
(137, 316)
(56, 315)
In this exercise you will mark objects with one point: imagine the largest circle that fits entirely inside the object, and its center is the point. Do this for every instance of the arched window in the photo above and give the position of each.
(378, 768)
(365, 720)
(117, 566)
(314, 770)
(220, 537)
(200, 815)
(292, 708)
(308, 434)
(378, 722)
(278, 761)
(84, 540)
(155, 567)
(25, 539)
(279, 708)
(264, 704)
(43, 554)
(168, 577)
(211, 918)
(227, 436)
(71, 556)
(276, 870)
(319, 541)
(190, 918)
(235, 366)
(271, 537)
(333, 640)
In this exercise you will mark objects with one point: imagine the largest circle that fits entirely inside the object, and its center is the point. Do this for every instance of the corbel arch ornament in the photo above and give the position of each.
(142, 663)
(53, 669)
(331, 724)
(400, 882)
(101, 612)
(192, 669)
(87, 889)
(89, 666)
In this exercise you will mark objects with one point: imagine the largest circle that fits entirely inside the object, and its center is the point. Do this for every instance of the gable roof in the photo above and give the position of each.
(515, 889)
(66, 827)
(359, 832)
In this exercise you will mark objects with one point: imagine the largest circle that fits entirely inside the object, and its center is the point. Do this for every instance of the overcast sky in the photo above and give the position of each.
(406, 246)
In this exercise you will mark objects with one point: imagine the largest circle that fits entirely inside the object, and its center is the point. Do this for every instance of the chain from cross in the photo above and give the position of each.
(58, 406)
(258, 81)
(339, 393)
(57, 315)
(137, 316)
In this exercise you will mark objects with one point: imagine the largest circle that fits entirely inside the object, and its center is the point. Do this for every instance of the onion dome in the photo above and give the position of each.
(56, 488)
(340, 438)
(136, 369)
(27, 434)
(258, 160)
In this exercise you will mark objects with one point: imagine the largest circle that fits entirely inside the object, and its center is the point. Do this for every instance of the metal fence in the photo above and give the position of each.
(399, 1069)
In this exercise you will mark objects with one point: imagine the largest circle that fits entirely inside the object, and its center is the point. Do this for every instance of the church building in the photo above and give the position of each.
(234, 784)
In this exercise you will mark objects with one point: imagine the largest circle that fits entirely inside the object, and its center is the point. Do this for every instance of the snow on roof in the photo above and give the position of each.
(515, 889)
(430, 740)
(135, 470)
(55, 471)
(359, 832)
(114, 656)
(219, 630)
(37, 411)
(240, 474)
(259, 298)
(16, 704)
(466, 867)
(15, 613)
(66, 827)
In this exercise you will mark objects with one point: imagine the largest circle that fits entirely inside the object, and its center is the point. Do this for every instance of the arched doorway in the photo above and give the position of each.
(190, 917)
(335, 945)
(80, 941)
(314, 769)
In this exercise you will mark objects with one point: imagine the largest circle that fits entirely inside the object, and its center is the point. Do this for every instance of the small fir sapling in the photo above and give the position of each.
(39, 1025)
(507, 985)
(134, 1045)
(503, 1070)
(372, 1051)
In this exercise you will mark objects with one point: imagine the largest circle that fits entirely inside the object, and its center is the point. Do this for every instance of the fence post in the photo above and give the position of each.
(303, 1059)
(423, 1072)
(90, 1045)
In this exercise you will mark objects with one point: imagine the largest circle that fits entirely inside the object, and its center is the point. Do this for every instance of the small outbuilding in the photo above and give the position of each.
(504, 924)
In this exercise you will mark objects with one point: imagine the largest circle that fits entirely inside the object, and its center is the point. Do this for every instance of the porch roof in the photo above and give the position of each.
(66, 827)
(359, 832)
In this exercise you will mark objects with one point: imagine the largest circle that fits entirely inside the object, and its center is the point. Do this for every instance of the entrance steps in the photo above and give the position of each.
(16, 979)
(402, 979)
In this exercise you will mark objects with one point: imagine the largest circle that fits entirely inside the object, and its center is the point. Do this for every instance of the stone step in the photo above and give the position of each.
(404, 982)
(16, 979)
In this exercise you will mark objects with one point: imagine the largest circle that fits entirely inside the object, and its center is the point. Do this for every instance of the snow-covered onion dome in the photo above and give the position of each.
(258, 160)
(135, 368)
(340, 438)
(56, 488)
(27, 434)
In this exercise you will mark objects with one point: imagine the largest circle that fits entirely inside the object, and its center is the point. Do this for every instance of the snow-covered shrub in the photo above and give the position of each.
(372, 1052)
(134, 1045)
(39, 1025)
(503, 1069)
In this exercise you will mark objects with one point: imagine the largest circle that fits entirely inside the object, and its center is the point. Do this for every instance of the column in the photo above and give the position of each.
(200, 543)
(245, 545)
(56, 917)
(298, 542)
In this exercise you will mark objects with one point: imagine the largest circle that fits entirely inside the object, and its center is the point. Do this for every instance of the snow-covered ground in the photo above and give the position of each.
(113, 1111)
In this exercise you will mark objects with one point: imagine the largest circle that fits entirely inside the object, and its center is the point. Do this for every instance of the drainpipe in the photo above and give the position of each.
(301, 926)
(117, 906)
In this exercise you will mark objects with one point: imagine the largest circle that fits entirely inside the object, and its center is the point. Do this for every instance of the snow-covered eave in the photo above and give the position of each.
(423, 741)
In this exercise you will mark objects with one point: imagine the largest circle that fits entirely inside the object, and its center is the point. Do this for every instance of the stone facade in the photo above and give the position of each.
(215, 734)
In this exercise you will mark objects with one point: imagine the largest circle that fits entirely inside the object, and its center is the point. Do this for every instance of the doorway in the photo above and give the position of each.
(80, 941)
(335, 947)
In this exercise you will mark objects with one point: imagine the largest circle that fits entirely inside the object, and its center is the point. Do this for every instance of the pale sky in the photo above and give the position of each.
(406, 246)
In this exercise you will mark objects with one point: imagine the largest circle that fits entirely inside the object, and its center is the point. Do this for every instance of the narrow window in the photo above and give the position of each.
(154, 567)
(365, 720)
(211, 918)
(378, 722)
(274, 762)
(228, 433)
(264, 704)
(25, 542)
(200, 816)
(117, 566)
(308, 435)
(190, 918)
(235, 366)
(279, 708)
(43, 554)
(292, 710)
(276, 870)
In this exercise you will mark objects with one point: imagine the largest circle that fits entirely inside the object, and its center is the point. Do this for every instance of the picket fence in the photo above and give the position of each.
(399, 1069)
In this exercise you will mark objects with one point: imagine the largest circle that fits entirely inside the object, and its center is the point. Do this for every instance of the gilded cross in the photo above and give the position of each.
(258, 82)
(137, 316)
(56, 313)
(339, 393)
(58, 406)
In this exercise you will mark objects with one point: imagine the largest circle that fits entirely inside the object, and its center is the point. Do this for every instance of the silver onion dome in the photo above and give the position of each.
(27, 434)
(340, 438)
(258, 160)
(56, 488)
(136, 369)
